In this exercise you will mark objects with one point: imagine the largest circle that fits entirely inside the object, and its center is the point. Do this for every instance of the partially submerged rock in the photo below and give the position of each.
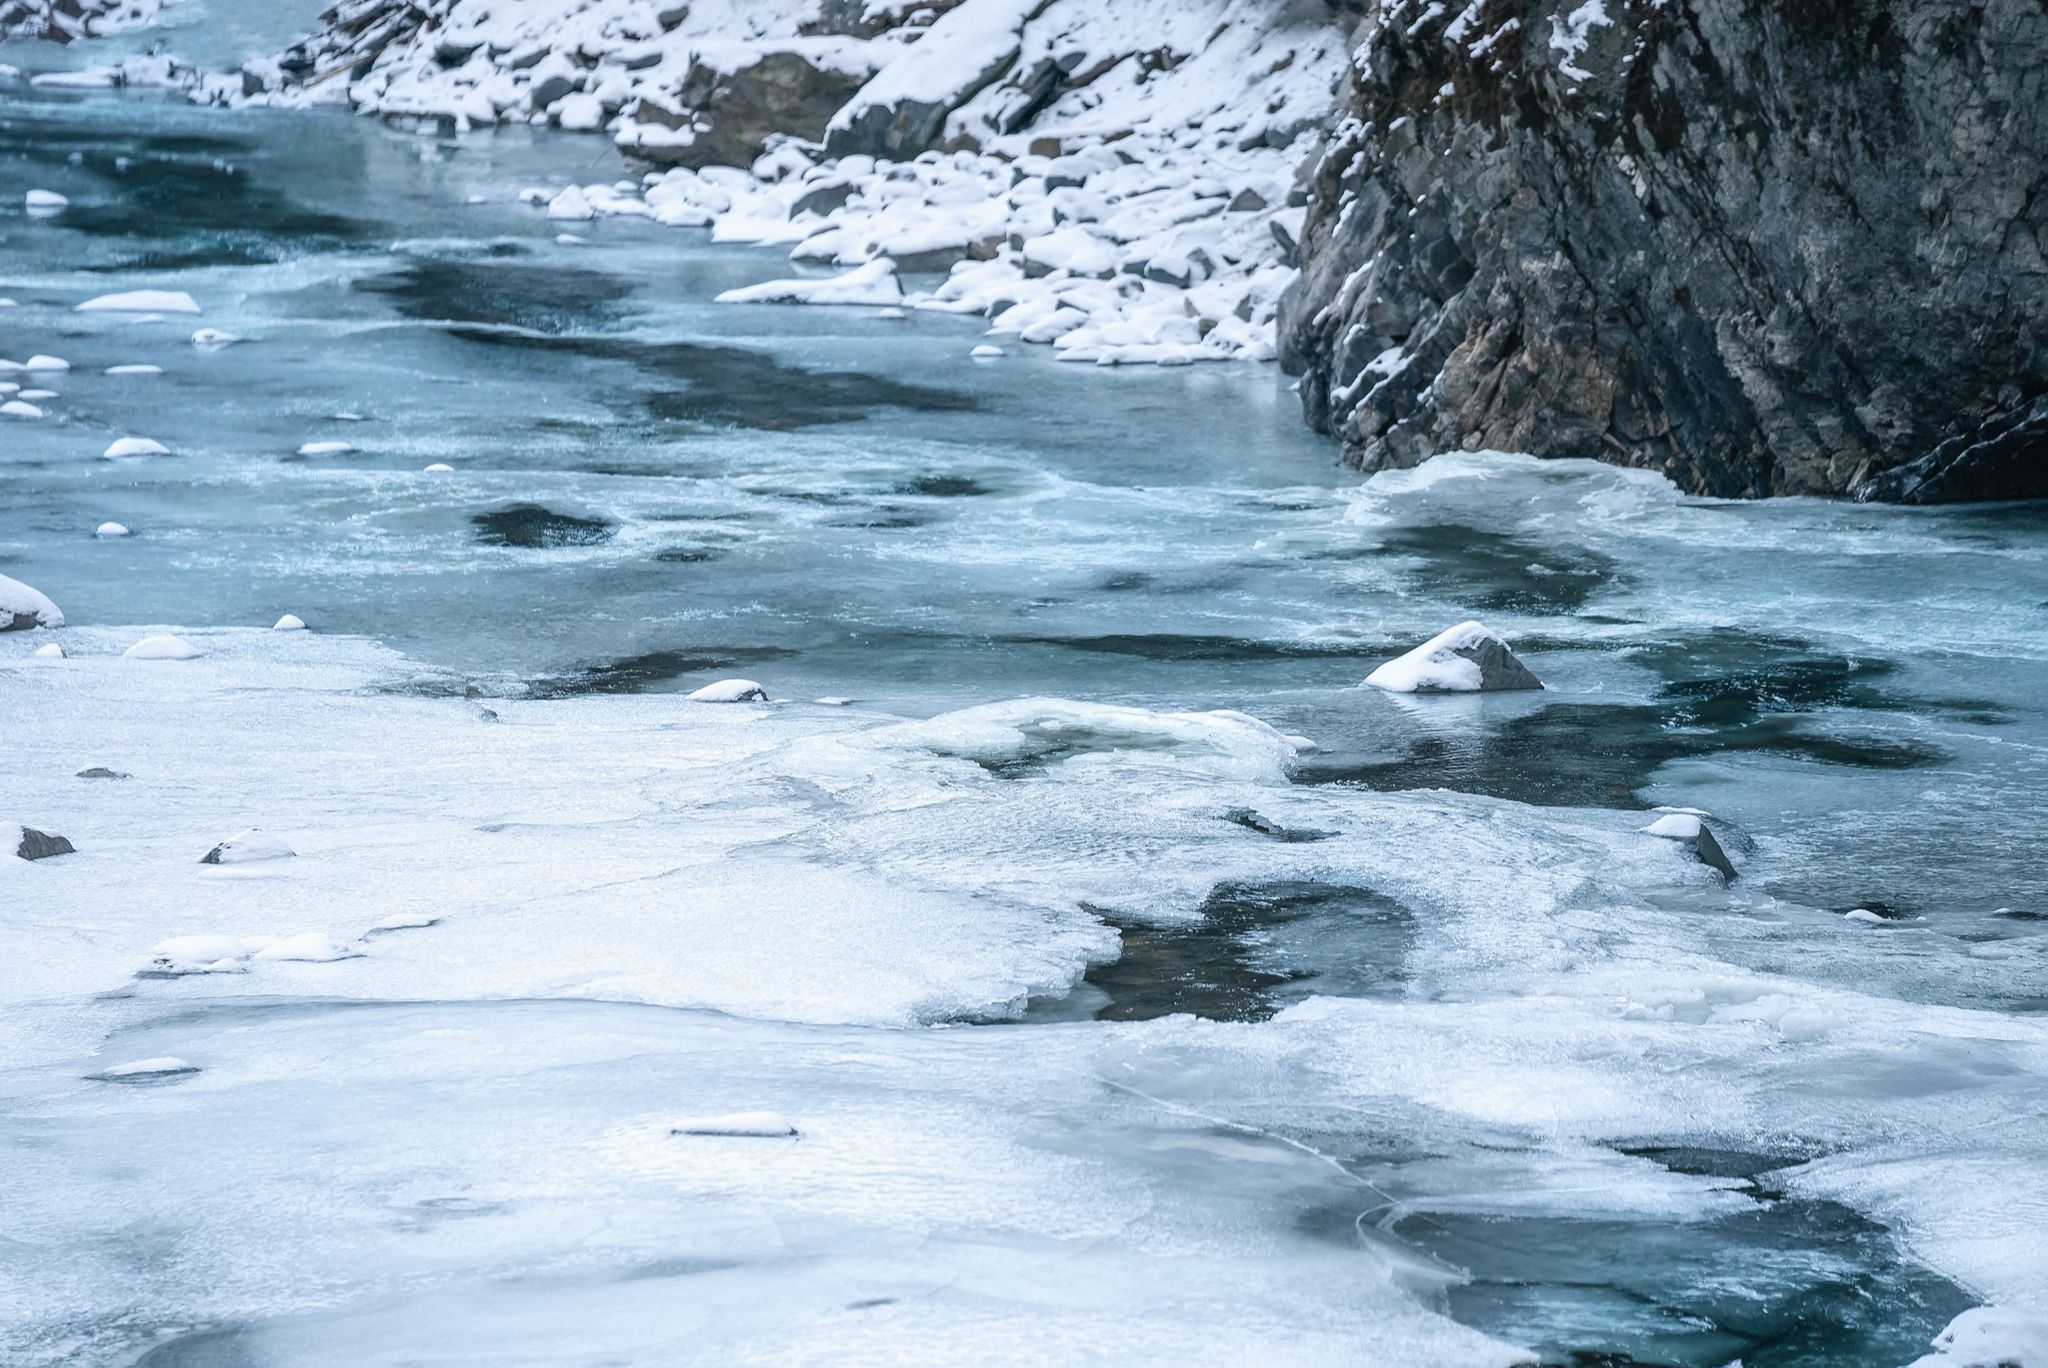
(100, 772)
(1468, 658)
(146, 1070)
(31, 844)
(533, 526)
(1690, 826)
(22, 607)
(248, 846)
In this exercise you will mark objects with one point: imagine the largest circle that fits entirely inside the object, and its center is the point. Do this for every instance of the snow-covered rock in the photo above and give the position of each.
(30, 844)
(247, 847)
(1467, 658)
(42, 203)
(328, 448)
(41, 362)
(312, 947)
(50, 651)
(111, 529)
(903, 109)
(163, 647)
(1990, 1337)
(874, 283)
(986, 352)
(20, 408)
(571, 205)
(290, 622)
(212, 339)
(22, 607)
(136, 369)
(147, 1070)
(730, 691)
(122, 447)
(1677, 826)
(749, 1124)
(438, 468)
(142, 301)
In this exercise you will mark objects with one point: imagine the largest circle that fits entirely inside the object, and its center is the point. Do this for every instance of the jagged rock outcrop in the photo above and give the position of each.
(64, 21)
(1762, 246)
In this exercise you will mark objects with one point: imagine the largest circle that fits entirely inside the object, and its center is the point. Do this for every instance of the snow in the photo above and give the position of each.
(207, 339)
(46, 363)
(730, 691)
(41, 203)
(985, 352)
(51, 651)
(757, 1124)
(163, 647)
(23, 605)
(571, 205)
(248, 847)
(110, 529)
(1435, 666)
(438, 468)
(134, 446)
(329, 448)
(1677, 826)
(579, 113)
(142, 301)
(1990, 1337)
(874, 283)
(20, 408)
(290, 622)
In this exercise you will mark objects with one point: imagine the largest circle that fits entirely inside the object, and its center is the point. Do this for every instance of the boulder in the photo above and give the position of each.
(1468, 658)
(163, 648)
(31, 844)
(734, 97)
(1760, 249)
(730, 691)
(902, 110)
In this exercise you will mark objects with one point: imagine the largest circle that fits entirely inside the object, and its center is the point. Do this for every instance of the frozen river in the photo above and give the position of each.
(1113, 1027)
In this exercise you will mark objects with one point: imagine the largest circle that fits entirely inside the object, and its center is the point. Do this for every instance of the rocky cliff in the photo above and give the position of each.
(1762, 246)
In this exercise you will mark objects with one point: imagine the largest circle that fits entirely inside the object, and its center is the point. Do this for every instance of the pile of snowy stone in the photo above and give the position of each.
(1119, 181)
(62, 21)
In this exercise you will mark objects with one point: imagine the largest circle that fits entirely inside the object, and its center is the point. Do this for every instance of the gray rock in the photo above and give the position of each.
(823, 198)
(1761, 248)
(1247, 202)
(1710, 853)
(549, 89)
(41, 845)
(100, 772)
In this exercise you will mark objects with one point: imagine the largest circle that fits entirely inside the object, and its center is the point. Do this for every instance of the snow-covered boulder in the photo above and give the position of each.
(1990, 1337)
(902, 110)
(22, 607)
(329, 448)
(20, 408)
(40, 203)
(43, 362)
(31, 844)
(163, 647)
(1689, 825)
(111, 529)
(1469, 658)
(766, 1125)
(290, 622)
(736, 95)
(122, 447)
(213, 339)
(874, 283)
(246, 847)
(51, 651)
(142, 301)
(731, 691)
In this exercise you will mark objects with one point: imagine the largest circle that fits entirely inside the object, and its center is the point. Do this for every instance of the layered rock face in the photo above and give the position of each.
(1761, 246)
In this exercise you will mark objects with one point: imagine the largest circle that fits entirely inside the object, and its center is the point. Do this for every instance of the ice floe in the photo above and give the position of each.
(142, 301)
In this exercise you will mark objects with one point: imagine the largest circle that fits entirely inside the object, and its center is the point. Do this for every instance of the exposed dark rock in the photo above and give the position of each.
(888, 121)
(1711, 855)
(100, 772)
(823, 198)
(530, 525)
(41, 845)
(1762, 246)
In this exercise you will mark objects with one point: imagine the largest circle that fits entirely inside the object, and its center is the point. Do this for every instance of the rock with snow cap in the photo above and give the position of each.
(22, 607)
(1468, 658)
(730, 691)
(764, 1125)
(163, 647)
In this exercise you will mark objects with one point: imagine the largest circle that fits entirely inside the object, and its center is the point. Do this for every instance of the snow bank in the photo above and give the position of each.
(874, 283)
